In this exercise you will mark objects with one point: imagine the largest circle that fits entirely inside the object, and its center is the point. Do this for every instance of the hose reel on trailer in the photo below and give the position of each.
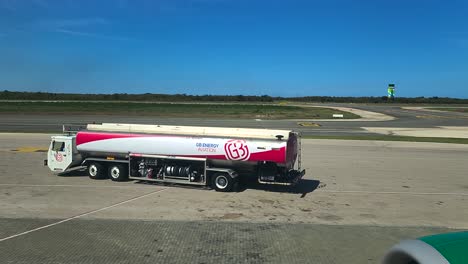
(181, 171)
(168, 168)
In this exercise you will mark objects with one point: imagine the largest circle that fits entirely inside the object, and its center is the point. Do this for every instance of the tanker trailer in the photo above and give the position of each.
(207, 156)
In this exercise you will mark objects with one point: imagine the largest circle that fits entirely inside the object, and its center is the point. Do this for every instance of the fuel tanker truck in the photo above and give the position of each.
(205, 156)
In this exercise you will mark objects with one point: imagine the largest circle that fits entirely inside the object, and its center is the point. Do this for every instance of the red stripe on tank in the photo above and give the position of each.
(278, 156)
(85, 137)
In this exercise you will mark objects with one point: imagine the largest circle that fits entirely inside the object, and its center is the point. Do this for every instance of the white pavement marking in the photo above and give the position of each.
(409, 193)
(441, 131)
(364, 114)
(70, 185)
(81, 215)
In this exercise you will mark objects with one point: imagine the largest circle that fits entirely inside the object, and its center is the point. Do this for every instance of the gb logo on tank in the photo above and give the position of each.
(237, 149)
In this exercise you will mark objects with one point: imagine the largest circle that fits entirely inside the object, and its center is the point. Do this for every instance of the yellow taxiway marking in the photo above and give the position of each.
(308, 124)
(433, 117)
(30, 149)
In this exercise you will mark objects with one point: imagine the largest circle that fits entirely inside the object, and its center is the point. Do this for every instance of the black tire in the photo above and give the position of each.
(118, 172)
(222, 182)
(96, 171)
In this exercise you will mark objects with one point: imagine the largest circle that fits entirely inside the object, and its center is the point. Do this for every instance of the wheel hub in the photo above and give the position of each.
(93, 170)
(221, 182)
(115, 173)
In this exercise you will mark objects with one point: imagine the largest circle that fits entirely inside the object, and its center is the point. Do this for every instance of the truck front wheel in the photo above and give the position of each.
(222, 182)
(96, 171)
(118, 172)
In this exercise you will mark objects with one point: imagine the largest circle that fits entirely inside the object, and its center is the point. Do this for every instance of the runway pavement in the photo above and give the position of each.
(404, 118)
(358, 198)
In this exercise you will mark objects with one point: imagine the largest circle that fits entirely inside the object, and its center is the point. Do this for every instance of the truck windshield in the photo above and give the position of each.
(58, 145)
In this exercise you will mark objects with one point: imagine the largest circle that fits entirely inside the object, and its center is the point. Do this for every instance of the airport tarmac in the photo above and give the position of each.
(358, 198)
(404, 118)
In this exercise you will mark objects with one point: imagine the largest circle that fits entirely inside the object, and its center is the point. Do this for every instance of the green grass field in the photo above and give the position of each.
(173, 110)
(450, 109)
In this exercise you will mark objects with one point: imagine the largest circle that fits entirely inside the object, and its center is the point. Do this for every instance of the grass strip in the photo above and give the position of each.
(245, 111)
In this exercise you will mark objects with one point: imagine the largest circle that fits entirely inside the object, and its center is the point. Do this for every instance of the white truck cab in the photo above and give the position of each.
(62, 153)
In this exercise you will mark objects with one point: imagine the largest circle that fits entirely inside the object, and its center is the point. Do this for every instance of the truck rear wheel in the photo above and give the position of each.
(118, 172)
(96, 171)
(222, 182)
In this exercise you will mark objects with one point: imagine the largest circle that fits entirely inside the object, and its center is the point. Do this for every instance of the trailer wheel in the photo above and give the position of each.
(118, 172)
(222, 182)
(96, 171)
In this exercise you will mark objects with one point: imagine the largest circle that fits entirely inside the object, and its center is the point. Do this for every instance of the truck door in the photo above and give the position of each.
(59, 156)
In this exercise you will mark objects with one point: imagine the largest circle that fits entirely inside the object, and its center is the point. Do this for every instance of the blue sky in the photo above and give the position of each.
(280, 48)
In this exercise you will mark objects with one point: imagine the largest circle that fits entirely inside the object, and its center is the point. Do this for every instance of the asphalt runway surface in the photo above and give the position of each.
(357, 200)
(404, 118)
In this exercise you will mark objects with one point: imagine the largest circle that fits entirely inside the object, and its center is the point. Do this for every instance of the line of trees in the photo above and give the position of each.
(146, 97)
(382, 99)
(149, 97)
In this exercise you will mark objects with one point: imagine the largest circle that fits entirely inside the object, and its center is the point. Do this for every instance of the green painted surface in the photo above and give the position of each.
(453, 246)
(391, 91)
